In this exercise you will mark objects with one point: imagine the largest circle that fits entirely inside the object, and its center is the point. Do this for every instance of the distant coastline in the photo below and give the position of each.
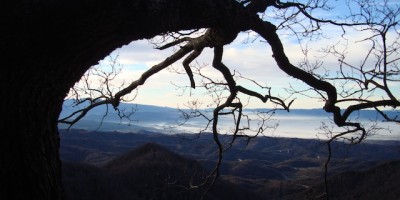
(298, 123)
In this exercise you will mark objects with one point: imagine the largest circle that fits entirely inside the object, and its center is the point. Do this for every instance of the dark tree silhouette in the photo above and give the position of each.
(47, 46)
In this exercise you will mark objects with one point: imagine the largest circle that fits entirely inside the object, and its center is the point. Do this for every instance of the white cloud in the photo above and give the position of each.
(252, 59)
(141, 52)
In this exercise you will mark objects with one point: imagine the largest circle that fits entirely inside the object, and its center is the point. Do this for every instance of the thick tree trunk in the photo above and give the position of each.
(46, 46)
(30, 165)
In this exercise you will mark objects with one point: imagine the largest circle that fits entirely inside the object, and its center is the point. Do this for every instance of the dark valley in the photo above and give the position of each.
(150, 165)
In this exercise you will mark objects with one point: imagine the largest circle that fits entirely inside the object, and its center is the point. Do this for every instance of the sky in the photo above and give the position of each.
(253, 59)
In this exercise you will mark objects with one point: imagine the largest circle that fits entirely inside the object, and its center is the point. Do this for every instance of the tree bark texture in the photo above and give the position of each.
(47, 45)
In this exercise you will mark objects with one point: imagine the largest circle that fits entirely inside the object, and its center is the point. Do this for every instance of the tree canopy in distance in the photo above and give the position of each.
(47, 46)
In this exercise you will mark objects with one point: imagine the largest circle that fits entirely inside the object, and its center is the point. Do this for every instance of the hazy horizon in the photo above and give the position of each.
(299, 123)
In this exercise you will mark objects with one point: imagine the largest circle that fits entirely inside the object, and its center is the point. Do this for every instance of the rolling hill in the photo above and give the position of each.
(272, 168)
(147, 172)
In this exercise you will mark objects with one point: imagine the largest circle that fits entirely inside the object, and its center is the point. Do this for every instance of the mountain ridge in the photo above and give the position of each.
(136, 175)
(267, 166)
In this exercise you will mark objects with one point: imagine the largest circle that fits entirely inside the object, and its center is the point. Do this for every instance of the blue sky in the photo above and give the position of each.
(252, 59)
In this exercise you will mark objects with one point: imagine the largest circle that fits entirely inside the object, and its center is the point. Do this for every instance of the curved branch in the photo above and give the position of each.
(155, 69)
(268, 32)
(115, 100)
(186, 66)
(264, 98)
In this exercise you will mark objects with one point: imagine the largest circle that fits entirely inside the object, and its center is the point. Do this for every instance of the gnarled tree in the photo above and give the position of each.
(47, 46)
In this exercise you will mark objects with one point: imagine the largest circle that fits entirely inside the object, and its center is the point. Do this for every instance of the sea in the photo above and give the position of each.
(298, 123)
